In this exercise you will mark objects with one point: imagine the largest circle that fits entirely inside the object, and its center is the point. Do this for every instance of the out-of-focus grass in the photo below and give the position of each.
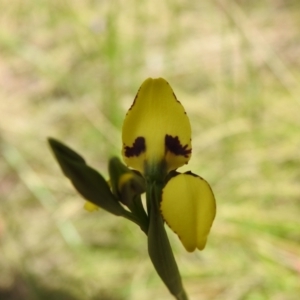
(70, 69)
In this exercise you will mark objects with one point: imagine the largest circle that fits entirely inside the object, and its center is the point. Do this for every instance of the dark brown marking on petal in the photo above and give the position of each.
(176, 98)
(134, 99)
(137, 148)
(193, 174)
(173, 145)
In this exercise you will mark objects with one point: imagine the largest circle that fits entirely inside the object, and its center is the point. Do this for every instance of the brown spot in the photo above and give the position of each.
(176, 98)
(137, 148)
(173, 145)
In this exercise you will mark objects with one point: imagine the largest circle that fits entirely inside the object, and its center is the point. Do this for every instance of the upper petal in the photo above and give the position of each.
(156, 128)
(188, 207)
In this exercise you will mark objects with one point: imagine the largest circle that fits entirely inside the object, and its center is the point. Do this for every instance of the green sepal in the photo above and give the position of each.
(116, 169)
(86, 180)
(133, 187)
(128, 185)
(127, 189)
(159, 247)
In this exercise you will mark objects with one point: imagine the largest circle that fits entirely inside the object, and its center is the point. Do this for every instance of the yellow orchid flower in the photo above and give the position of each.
(156, 140)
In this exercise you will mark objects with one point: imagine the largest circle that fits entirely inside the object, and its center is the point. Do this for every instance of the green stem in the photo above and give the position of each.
(159, 247)
(129, 216)
(137, 209)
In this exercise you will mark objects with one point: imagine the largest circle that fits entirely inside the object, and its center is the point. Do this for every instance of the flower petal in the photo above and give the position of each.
(188, 207)
(156, 128)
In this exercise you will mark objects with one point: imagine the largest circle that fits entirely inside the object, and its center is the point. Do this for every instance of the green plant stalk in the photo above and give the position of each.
(159, 247)
(130, 216)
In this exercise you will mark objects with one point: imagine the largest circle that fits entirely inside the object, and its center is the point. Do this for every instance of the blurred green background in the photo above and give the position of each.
(70, 69)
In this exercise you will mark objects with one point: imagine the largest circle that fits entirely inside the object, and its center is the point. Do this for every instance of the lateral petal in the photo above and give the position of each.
(188, 207)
